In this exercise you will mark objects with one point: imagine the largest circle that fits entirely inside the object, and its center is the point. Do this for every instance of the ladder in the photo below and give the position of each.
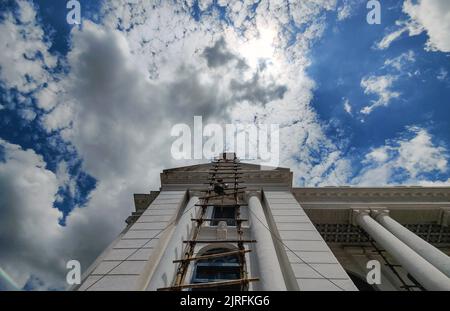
(224, 187)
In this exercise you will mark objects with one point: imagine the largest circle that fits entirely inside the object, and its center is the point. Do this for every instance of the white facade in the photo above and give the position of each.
(306, 238)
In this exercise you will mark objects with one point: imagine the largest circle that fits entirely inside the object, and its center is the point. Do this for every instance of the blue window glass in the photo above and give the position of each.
(217, 269)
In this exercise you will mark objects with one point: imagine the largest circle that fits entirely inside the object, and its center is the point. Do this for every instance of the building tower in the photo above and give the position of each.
(228, 225)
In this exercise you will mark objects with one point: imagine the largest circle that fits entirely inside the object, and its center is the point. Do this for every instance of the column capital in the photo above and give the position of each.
(445, 216)
(357, 211)
(252, 193)
(379, 211)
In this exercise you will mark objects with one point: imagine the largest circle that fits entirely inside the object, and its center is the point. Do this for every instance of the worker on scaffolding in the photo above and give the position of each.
(220, 186)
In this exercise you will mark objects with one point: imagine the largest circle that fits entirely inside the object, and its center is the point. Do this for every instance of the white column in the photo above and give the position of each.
(270, 275)
(422, 247)
(166, 268)
(424, 272)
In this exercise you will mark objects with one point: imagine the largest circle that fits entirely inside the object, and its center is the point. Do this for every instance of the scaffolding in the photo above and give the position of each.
(224, 187)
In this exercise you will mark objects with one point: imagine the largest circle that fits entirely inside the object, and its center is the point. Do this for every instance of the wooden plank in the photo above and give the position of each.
(218, 255)
(223, 205)
(232, 181)
(229, 188)
(210, 284)
(225, 179)
(217, 219)
(220, 195)
(225, 169)
(225, 173)
(219, 241)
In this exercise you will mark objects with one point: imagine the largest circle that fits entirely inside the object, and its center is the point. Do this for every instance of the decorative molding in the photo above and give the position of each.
(199, 177)
(348, 234)
(376, 212)
(445, 217)
(355, 212)
(386, 193)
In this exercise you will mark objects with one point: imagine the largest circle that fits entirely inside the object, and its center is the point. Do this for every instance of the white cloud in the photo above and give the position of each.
(60, 117)
(47, 98)
(64, 178)
(27, 13)
(378, 155)
(391, 37)
(343, 12)
(28, 223)
(381, 87)
(433, 17)
(429, 183)
(20, 42)
(32, 241)
(419, 154)
(204, 4)
(28, 114)
(346, 8)
(430, 16)
(347, 106)
(442, 74)
(400, 61)
(415, 155)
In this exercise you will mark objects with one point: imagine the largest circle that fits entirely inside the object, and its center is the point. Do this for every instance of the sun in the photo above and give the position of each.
(260, 47)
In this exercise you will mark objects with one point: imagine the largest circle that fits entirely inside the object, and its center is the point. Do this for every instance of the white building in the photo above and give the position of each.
(304, 238)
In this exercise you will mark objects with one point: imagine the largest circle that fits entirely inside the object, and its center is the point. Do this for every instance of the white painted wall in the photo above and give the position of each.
(166, 269)
(312, 264)
(127, 262)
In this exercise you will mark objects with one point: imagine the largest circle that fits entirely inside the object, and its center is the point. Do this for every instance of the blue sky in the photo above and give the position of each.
(346, 53)
(86, 110)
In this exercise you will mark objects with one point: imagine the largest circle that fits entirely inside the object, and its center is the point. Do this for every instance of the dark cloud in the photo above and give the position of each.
(218, 55)
(255, 91)
(187, 96)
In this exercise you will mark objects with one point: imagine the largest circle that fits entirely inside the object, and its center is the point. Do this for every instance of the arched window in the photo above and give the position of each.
(217, 269)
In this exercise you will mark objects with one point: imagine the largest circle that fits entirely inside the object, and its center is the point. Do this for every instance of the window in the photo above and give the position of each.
(222, 213)
(217, 269)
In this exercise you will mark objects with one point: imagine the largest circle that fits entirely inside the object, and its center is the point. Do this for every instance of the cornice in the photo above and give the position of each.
(355, 193)
(247, 176)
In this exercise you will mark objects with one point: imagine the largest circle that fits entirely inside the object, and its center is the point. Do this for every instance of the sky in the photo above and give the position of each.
(86, 110)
